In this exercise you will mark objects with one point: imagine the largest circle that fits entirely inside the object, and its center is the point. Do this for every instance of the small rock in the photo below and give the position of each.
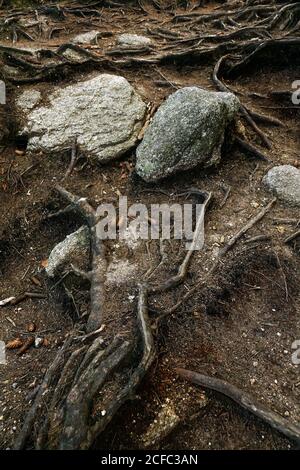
(86, 38)
(38, 342)
(133, 40)
(166, 421)
(72, 249)
(188, 129)
(73, 56)
(284, 181)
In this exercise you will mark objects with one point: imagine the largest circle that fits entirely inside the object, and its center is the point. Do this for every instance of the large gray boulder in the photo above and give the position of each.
(187, 129)
(284, 181)
(103, 113)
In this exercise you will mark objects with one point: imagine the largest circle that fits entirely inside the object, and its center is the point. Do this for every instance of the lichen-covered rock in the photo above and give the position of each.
(28, 99)
(103, 113)
(133, 40)
(74, 249)
(187, 129)
(86, 38)
(284, 181)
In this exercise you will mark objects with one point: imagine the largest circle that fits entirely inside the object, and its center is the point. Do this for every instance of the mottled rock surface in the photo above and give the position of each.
(133, 40)
(187, 129)
(86, 38)
(104, 114)
(74, 249)
(28, 99)
(284, 181)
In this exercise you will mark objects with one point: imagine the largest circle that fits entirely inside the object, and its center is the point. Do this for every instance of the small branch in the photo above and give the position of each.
(292, 237)
(246, 227)
(73, 160)
(182, 270)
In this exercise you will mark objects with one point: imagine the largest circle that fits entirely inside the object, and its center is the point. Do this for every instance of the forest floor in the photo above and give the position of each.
(241, 324)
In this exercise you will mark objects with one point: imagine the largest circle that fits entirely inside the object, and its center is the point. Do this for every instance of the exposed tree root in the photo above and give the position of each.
(89, 379)
(246, 401)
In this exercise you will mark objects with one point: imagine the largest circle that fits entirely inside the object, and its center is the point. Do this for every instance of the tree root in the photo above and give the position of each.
(246, 401)
(82, 368)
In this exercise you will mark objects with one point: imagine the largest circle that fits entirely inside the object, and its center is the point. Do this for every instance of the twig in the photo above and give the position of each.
(292, 237)
(27, 295)
(246, 227)
(182, 270)
(226, 196)
(283, 276)
(73, 160)
(258, 238)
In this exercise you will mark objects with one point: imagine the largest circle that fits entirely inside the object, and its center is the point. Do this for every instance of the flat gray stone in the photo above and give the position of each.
(103, 113)
(86, 38)
(188, 129)
(28, 99)
(133, 40)
(73, 249)
(284, 181)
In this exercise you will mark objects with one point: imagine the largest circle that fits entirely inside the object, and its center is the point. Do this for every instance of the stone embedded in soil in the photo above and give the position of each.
(164, 423)
(133, 40)
(284, 181)
(28, 99)
(104, 114)
(188, 129)
(74, 249)
(86, 38)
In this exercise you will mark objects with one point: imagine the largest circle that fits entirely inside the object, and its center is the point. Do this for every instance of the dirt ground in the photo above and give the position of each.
(239, 326)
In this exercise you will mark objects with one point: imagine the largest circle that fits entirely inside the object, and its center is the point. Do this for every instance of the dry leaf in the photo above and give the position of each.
(29, 342)
(14, 344)
(44, 263)
(31, 327)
